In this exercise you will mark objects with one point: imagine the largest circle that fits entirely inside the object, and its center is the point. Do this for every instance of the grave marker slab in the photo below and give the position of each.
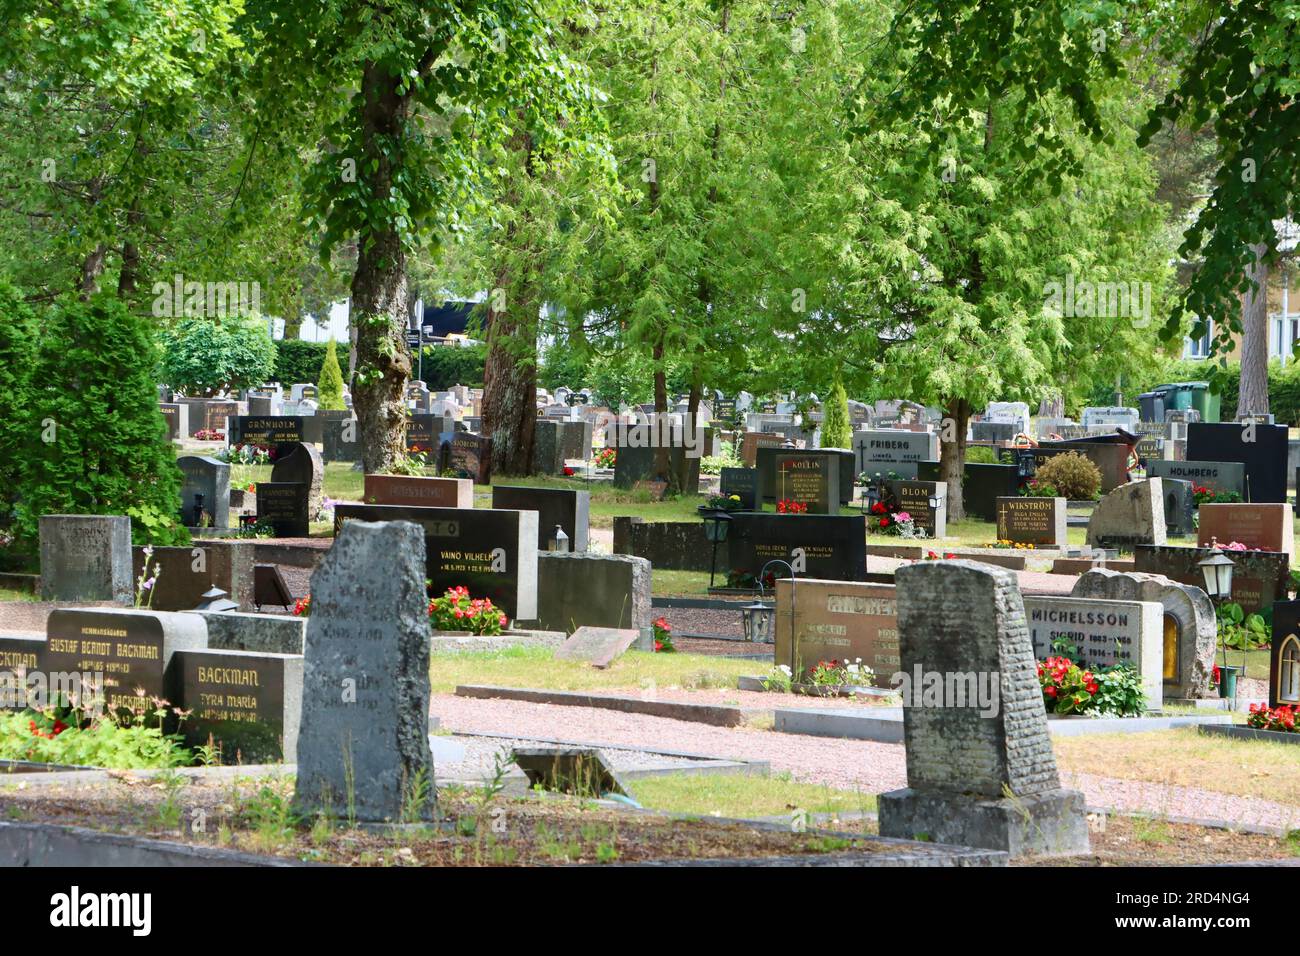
(1259, 578)
(1130, 515)
(742, 482)
(247, 703)
(1218, 476)
(598, 646)
(1266, 527)
(283, 505)
(838, 620)
(269, 430)
(1284, 656)
(467, 456)
(893, 449)
(1262, 449)
(1036, 521)
(363, 743)
(300, 462)
(914, 498)
(86, 558)
(19, 656)
(554, 506)
(819, 546)
(177, 417)
(420, 491)
(807, 478)
(209, 479)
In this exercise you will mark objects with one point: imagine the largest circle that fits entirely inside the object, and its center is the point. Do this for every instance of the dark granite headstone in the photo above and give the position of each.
(424, 432)
(819, 546)
(1180, 507)
(914, 498)
(300, 462)
(742, 482)
(1261, 448)
(339, 438)
(177, 417)
(982, 485)
(245, 703)
(283, 505)
(19, 656)
(363, 744)
(465, 455)
(809, 478)
(266, 430)
(210, 479)
(554, 506)
(1036, 521)
(1259, 578)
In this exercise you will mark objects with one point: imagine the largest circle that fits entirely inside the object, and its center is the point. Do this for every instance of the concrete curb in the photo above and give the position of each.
(712, 714)
(45, 844)
(1238, 732)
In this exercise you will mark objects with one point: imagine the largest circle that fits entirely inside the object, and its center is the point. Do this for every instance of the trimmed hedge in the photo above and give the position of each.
(444, 365)
(299, 361)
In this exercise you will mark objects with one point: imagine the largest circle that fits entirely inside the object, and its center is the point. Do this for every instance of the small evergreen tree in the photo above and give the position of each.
(94, 441)
(836, 431)
(17, 346)
(329, 387)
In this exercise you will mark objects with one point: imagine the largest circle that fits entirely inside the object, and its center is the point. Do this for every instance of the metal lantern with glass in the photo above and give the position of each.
(1217, 569)
(759, 618)
(716, 523)
(559, 540)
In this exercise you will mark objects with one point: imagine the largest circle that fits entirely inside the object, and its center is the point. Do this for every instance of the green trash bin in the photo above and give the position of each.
(1203, 400)
(1177, 396)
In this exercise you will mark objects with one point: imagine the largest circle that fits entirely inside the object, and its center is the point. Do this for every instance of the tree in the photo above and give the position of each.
(17, 349)
(94, 439)
(329, 388)
(208, 357)
(836, 430)
(430, 93)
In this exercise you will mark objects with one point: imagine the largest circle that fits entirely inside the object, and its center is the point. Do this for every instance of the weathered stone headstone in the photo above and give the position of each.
(1188, 628)
(363, 743)
(247, 704)
(838, 620)
(977, 775)
(417, 490)
(598, 646)
(490, 551)
(568, 508)
(1180, 506)
(209, 479)
(1268, 527)
(1102, 632)
(1130, 515)
(1036, 521)
(130, 648)
(1218, 476)
(86, 558)
(603, 590)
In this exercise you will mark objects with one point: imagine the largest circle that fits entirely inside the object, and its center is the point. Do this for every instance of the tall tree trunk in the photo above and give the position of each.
(379, 288)
(1253, 392)
(510, 382)
(692, 416)
(663, 455)
(952, 454)
(92, 267)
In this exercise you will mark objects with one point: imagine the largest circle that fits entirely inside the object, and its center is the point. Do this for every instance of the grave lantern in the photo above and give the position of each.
(715, 532)
(559, 540)
(1217, 569)
(215, 599)
(758, 620)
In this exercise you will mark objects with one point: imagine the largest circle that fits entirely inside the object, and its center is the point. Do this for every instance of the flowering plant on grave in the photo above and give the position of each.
(1070, 688)
(208, 434)
(787, 507)
(724, 502)
(1282, 719)
(302, 606)
(886, 517)
(663, 636)
(457, 611)
(936, 556)
(746, 580)
(144, 584)
(606, 457)
(1205, 495)
(1039, 489)
(837, 673)
(248, 453)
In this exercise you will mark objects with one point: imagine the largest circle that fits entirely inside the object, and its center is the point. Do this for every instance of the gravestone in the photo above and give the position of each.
(742, 482)
(837, 620)
(19, 656)
(1111, 459)
(466, 455)
(767, 458)
(598, 646)
(1262, 450)
(130, 648)
(751, 442)
(892, 449)
(914, 498)
(1180, 507)
(575, 440)
(975, 777)
(268, 430)
(818, 546)
(424, 434)
(209, 479)
(491, 552)
(339, 438)
(314, 426)
(1189, 629)
(247, 704)
(283, 506)
(299, 462)
(993, 431)
(182, 574)
(263, 406)
(1218, 476)
(981, 487)
(603, 590)
(363, 743)
(1149, 448)
(635, 464)
(270, 587)
(807, 478)
(1130, 515)
(86, 558)
(417, 490)
(1259, 579)
(1284, 656)
(1266, 527)
(177, 417)
(1101, 633)
(1036, 521)
(554, 506)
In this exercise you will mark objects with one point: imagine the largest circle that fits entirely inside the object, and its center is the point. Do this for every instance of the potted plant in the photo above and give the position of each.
(1243, 632)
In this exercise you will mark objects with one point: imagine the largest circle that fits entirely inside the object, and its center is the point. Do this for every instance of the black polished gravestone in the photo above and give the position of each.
(1180, 506)
(283, 506)
(245, 703)
(209, 479)
(424, 434)
(1284, 656)
(810, 479)
(981, 487)
(19, 656)
(465, 455)
(1261, 448)
(300, 462)
(765, 460)
(568, 508)
(1259, 578)
(833, 547)
(926, 503)
(634, 464)
(742, 482)
(491, 552)
(265, 429)
(130, 648)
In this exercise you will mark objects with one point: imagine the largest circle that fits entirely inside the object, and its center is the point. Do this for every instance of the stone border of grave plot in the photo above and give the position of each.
(1241, 732)
(458, 642)
(50, 844)
(746, 682)
(758, 768)
(716, 715)
(885, 724)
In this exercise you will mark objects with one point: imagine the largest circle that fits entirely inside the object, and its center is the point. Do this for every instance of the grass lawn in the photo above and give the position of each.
(536, 667)
(1184, 758)
(745, 796)
(9, 594)
(663, 581)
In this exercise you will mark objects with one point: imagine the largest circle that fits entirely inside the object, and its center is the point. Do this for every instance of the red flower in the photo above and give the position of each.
(1049, 691)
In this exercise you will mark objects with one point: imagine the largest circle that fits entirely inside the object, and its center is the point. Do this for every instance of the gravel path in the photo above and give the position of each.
(843, 764)
(28, 617)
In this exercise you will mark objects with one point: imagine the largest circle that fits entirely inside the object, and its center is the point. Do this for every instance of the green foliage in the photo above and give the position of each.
(206, 357)
(130, 741)
(1239, 630)
(298, 361)
(445, 366)
(1072, 475)
(17, 348)
(836, 430)
(329, 387)
(93, 439)
(979, 454)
